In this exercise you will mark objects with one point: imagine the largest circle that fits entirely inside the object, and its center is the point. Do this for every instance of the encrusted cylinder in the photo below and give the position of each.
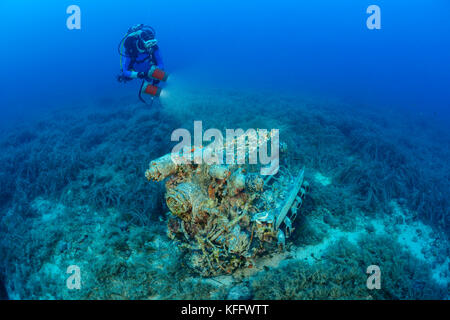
(236, 182)
(184, 199)
(219, 172)
(161, 168)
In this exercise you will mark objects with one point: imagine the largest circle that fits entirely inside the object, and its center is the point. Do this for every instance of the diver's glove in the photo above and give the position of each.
(142, 75)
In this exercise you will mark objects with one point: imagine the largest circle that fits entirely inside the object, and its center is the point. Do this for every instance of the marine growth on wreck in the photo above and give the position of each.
(226, 216)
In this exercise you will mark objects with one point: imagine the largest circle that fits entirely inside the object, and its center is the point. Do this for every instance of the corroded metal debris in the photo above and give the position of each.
(226, 216)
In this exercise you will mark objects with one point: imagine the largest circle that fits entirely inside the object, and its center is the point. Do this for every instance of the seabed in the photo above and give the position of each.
(74, 192)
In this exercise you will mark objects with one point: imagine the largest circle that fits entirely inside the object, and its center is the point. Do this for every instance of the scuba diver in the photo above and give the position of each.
(142, 60)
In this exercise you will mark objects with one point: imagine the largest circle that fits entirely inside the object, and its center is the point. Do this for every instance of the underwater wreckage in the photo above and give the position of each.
(226, 216)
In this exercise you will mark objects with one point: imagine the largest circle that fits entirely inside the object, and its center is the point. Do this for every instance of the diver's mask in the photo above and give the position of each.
(146, 41)
(150, 44)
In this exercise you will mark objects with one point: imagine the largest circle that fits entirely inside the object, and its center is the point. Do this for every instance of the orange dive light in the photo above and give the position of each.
(153, 90)
(158, 74)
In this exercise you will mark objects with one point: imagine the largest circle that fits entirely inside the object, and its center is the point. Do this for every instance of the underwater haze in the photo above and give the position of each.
(321, 46)
(366, 113)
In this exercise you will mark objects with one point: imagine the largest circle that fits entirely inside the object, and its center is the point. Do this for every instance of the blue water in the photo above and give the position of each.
(378, 96)
(321, 46)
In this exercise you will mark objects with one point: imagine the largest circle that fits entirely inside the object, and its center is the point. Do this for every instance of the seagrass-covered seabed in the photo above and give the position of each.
(73, 192)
